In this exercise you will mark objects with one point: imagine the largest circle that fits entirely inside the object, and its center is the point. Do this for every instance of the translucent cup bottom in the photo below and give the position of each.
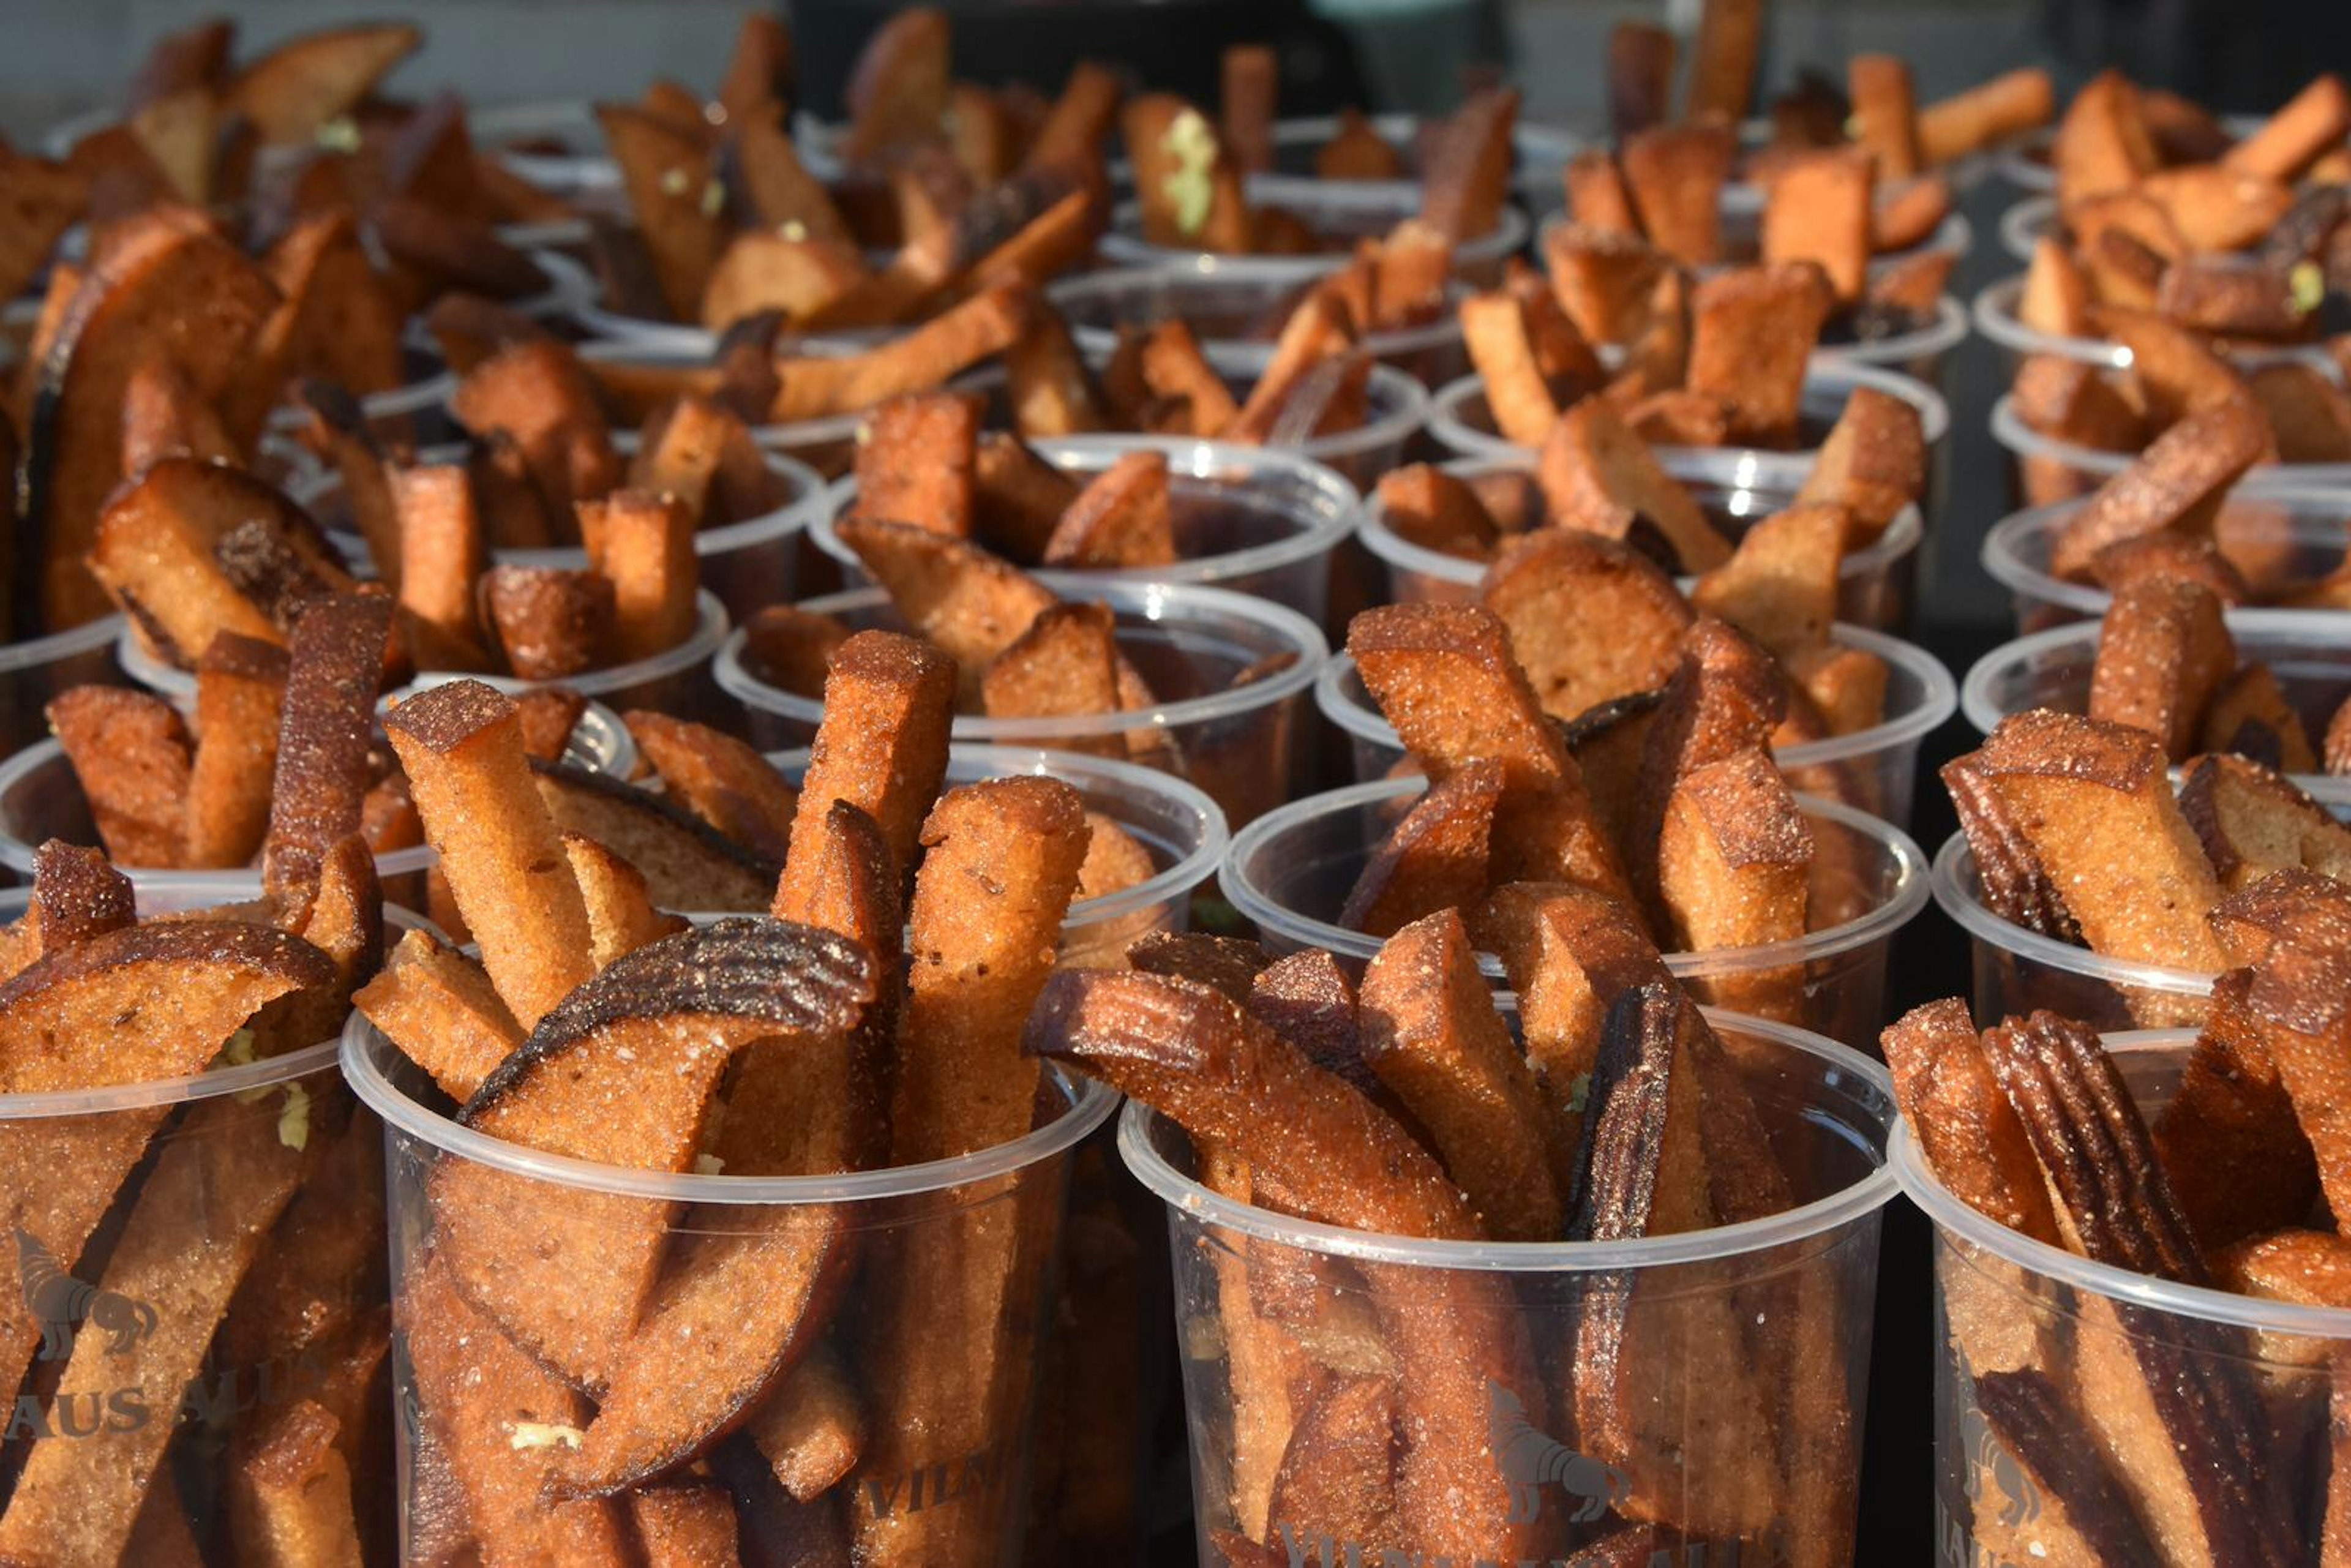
(1713, 1384)
(2309, 651)
(1179, 827)
(1290, 872)
(1875, 586)
(33, 673)
(932, 1308)
(1874, 769)
(1923, 353)
(2279, 540)
(195, 1286)
(2050, 1368)
(2018, 971)
(1247, 518)
(1245, 746)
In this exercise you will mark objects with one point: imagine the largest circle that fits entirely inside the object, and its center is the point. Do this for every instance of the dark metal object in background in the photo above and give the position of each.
(1176, 45)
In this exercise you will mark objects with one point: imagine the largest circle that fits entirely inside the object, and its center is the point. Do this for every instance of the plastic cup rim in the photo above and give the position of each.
(1953, 881)
(1193, 868)
(1123, 244)
(1891, 912)
(2270, 482)
(1188, 457)
(1392, 343)
(1953, 1217)
(1993, 311)
(1304, 637)
(1938, 700)
(1089, 1105)
(1453, 433)
(1828, 1213)
(51, 647)
(2248, 624)
(1902, 536)
(711, 629)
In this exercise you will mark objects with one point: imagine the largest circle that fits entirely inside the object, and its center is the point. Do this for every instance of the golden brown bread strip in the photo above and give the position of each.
(2095, 803)
(2176, 484)
(1645, 1172)
(890, 701)
(1201, 1060)
(1001, 868)
(1873, 464)
(1431, 1034)
(443, 1012)
(915, 461)
(1816, 209)
(2164, 650)
(2252, 824)
(1734, 869)
(1590, 619)
(1752, 334)
(1434, 858)
(461, 747)
(2228, 1138)
(1779, 586)
(1445, 677)
(1599, 477)
(720, 779)
(959, 596)
(130, 752)
(2163, 1428)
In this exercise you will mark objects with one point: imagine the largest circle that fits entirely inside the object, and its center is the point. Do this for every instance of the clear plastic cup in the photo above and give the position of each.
(1871, 769)
(1994, 315)
(1248, 518)
(2025, 222)
(2309, 651)
(1460, 420)
(2018, 971)
(41, 799)
(1258, 1292)
(676, 681)
(1181, 827)
(1245, 746)
(1290, 871)
(556, 144)
(2276, 538)
(2003, 1291)
(2046, 470)
(956, 1263)
(1742, 230)
(1229, 308)
(747, 563)
(1341, 212)
(828, 444)
(1874, 585)
(1922, 354)
(33, 673)
(141, 1315)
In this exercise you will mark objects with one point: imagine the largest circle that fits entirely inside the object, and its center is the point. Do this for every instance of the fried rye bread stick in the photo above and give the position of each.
(1230, 1081)
(946, 1350)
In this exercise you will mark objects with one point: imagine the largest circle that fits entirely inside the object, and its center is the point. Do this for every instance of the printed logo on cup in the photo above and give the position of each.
(64, 1306)
(1532, 1460)
(1534, 1465)
(73, 1314)
(1998, 1488)
(928, 1487)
